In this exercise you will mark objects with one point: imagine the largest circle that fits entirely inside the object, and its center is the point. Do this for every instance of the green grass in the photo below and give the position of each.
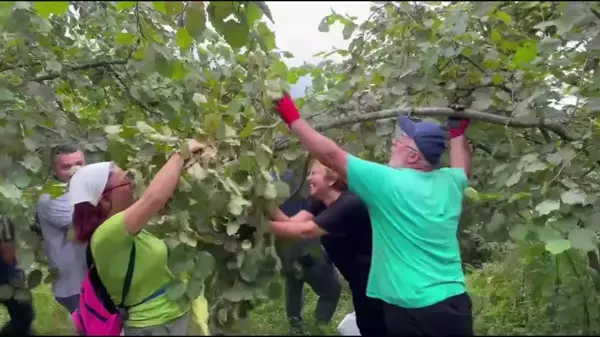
(269, 319)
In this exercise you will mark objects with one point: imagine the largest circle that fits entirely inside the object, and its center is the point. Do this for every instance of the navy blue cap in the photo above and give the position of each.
(429, 137)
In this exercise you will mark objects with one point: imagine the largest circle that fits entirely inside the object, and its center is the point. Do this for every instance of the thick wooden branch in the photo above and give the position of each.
(557, 128)
(101, 64)
(541, 123)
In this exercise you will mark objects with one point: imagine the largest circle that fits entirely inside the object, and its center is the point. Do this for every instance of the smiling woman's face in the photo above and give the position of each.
(320, 183)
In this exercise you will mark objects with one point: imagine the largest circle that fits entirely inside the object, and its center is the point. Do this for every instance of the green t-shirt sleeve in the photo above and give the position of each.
(458, 176)
(111, 236)
(365, 177)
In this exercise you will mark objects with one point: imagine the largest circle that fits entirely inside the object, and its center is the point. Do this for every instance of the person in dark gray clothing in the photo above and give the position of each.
(20, 312)
(54, 217)
(305, 261)
(314, 268)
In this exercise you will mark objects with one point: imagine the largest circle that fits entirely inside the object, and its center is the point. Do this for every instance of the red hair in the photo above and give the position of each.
(86, 218)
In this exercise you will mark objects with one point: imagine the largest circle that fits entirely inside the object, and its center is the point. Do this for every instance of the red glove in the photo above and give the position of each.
(288, 110)
(457, 126)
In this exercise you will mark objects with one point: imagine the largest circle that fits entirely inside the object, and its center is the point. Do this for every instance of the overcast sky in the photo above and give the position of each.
(296, 30)
(296, 26)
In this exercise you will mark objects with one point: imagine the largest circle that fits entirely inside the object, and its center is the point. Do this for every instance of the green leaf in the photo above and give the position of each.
(176, 290)
(558, 246)
(174, 7)
(178, 70)
(125, 38)
(253, 13)
(112, 129)
(7, 95)
(547, 206)
(54, 66)
(519, 232)
(205, 264)
(348, 30)
(283, 189)
(525, 54)
(34, 278)
(187, 239)
(195, 19)
(548, 234)
(197, 172)
(222, 315)
(159, 6)
(583, 238)
(503, 16)
(249, 268)
(199, 98)
(32, 162)
(247, 130)
(265, 9)
(472, 193)
(195, 288)
(498, 220)
(9, 191)
(211, 122)
(232, 228)
(482, 103)
(513, 179)
(496, 35)
(246, 244)
(218, 200)
(324, 25)
(122, 5)
(270, 192)
(45, 8)
(236, 204)
(236, 34)
(573, 197)
(267, 36)
(184, 39)
(163, 65)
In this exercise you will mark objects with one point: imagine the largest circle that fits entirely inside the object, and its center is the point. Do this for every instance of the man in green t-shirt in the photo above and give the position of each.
(414, 208)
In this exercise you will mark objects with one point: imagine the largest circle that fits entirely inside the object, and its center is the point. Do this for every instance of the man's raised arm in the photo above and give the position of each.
(326, 150)
(460, 153)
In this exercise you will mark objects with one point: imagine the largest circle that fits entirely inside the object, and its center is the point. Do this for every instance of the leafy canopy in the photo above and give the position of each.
(129, 80)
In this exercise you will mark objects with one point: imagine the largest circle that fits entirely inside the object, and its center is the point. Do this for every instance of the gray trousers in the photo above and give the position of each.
(322, 278)
(70, 303)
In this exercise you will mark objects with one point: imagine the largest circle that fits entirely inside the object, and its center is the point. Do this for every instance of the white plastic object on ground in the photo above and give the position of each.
(348, 325)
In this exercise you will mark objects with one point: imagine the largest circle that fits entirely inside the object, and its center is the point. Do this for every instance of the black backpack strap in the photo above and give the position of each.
(89, 258)
(104, 296)
(128, 275)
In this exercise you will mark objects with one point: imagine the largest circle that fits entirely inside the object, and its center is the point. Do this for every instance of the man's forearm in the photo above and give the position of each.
(298, 229)
(278, 215)
(325, 149)
(460, 154)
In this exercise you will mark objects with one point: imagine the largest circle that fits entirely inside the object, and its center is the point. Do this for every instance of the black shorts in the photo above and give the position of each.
(450, 317)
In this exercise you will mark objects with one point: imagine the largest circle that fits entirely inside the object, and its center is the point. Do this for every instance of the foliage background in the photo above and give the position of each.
(130, 79)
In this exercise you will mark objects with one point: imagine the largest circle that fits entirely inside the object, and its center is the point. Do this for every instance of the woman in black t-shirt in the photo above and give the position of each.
(341, 219)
